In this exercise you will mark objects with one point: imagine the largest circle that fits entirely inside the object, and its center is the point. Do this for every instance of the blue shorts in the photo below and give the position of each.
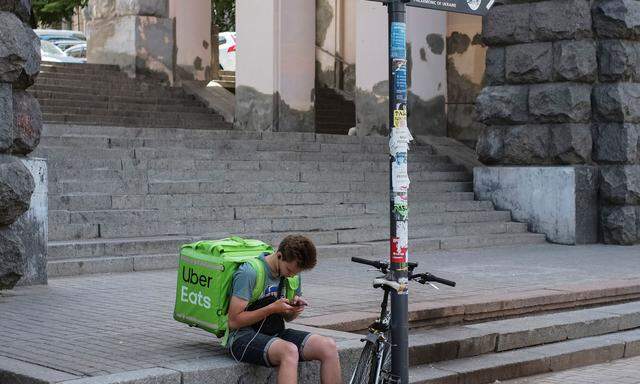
(251, 347)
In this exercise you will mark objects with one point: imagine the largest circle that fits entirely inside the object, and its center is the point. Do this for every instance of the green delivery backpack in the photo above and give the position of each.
(205, 274)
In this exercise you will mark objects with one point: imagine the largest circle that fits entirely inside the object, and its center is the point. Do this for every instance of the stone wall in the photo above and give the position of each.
(20, 127)
(562, 88)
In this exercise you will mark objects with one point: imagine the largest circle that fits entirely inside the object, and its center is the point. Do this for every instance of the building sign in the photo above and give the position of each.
(472, 7)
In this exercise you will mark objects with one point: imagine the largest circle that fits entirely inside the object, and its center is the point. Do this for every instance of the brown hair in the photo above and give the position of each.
(300, 249)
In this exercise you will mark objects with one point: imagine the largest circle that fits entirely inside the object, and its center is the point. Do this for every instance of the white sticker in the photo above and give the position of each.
(400, 177)
(402, 233)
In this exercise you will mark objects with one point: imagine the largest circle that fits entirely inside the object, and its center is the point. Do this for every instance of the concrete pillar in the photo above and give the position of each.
(275, 68)
(193, 38)
(426, 78)
(136, 35)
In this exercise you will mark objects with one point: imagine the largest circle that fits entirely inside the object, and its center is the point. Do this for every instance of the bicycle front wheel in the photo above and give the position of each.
(365, 372)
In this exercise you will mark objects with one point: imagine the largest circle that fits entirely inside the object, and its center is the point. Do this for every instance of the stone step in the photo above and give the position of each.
(65, 256)
(104, 76)
(455, 342)
(530, 361)
(105, 85)
(98, 113)
(94, 202)
(124, 90)
(180, 134)
(75, 68)
(148, 99)
(262, 151)
(66, 105)
(138, 122)
(323, 222)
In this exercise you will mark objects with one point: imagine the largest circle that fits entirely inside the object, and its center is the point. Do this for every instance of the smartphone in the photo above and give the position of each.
(298, 304)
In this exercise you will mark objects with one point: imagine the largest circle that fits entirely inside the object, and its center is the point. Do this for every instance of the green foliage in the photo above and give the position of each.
(52, 12)
(223, 14)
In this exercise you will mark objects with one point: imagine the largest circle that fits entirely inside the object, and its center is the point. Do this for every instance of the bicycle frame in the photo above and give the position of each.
(376, 336)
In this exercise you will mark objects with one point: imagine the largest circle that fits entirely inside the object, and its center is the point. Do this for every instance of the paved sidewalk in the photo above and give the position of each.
(99, 324)
(625, 371)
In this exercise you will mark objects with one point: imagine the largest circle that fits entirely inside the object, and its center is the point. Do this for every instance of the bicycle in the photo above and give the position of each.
(374, 365)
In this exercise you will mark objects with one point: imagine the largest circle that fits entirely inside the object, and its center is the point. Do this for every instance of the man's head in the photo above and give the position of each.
(295, 253)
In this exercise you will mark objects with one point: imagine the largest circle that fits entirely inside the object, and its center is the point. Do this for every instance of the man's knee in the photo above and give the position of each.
(324, 348)
(283, 352)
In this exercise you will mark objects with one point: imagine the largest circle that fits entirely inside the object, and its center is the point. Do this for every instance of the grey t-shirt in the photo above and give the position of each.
(244, 281)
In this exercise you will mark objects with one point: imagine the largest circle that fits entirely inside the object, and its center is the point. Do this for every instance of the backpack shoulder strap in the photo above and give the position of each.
(258, 266)
(291, 285)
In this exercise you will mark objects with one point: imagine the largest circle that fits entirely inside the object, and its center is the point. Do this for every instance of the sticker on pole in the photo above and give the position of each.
(398, 40)
(398, 252)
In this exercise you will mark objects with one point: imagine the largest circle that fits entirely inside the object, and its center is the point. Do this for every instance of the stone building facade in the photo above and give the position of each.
(562, 89)
(20, 128)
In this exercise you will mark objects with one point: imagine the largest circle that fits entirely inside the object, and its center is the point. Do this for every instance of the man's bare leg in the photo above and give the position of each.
(284, 355)
(324, 349)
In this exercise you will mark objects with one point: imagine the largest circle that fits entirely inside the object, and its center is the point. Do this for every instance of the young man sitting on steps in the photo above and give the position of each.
(257, 333)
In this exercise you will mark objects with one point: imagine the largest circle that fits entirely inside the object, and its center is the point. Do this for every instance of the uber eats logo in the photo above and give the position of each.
(194, 295)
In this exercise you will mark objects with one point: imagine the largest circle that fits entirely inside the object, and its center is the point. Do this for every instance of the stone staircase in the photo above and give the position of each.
(124, 199)
(99, 94)
(499, 350)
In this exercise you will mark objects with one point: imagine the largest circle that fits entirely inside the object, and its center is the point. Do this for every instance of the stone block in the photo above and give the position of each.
(616, 143)
(560, 20)
(503, 104)
(22, 8)
(557, 201)
(617, 19)
(620, 184)
(618, 102)
(560, 102)
(619, 60)
(32, 226)
(507, 24)
(27, 122)
(494, 73)
(526, 144)
(528, 63)
(16, 187)
(570, 143)
(619, 225)
(12, 254)
(490, 145)
(6, 117)
(19, 52)
(575, 60)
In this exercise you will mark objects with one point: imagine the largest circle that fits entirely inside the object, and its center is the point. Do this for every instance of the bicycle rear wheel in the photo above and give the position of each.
(365, 370)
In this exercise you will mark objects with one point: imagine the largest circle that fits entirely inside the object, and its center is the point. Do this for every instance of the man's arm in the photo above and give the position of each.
(239, 318)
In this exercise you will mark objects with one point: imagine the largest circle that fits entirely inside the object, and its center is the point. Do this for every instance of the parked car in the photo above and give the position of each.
(62, 38)
(227, 50)
(79, 51)
(51, 53)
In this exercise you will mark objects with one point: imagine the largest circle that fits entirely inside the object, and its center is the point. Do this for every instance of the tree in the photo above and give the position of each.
(52, 12)
(223, 14)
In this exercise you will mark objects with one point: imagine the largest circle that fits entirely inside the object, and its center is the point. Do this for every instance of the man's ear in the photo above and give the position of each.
(279, 255)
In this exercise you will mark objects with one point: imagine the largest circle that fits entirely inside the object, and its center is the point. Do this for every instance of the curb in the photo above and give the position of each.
(488, 307)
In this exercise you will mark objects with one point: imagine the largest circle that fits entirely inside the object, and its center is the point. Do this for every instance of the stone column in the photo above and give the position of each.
(20, 128)
(426, 75)
(561, 90)
(275, 68)
(136, 35)
(193, 39)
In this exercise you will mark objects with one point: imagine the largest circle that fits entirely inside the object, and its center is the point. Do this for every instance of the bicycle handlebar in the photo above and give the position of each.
(421, 277)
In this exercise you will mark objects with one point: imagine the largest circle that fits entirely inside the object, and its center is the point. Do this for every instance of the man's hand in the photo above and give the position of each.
(298, 305)
(282, 307)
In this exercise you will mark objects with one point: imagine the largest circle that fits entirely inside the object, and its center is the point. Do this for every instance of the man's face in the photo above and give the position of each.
(289, 268)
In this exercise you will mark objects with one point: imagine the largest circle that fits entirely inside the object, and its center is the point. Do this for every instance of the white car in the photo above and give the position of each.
(227, 50)
(78, 51)
(51, 53)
